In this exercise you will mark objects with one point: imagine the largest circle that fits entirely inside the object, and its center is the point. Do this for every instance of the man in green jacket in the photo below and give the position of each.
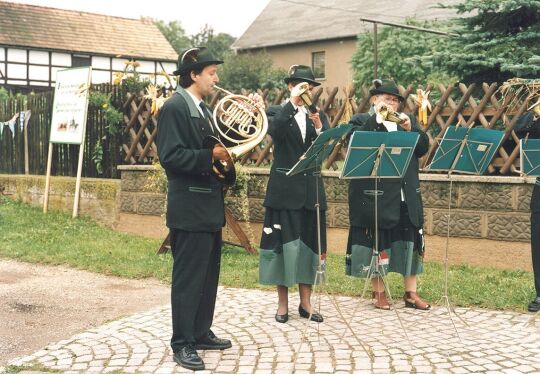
(195, 208)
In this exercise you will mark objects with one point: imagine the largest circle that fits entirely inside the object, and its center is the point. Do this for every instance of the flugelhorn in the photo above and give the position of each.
(306, 97)
(385, 113)
(241, 124)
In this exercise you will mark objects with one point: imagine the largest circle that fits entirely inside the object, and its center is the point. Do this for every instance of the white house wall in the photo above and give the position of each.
(28, 67)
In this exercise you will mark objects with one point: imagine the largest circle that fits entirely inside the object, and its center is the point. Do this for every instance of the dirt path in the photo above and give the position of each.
(477, 252)
(42, 304)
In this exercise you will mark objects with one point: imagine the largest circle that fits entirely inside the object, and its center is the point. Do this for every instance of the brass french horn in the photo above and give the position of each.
(242, 125)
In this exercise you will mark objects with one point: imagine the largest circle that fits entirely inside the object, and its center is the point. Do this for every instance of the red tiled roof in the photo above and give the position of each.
(67, 30)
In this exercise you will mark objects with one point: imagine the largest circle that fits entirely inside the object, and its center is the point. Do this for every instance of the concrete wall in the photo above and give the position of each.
(98, 197)
(481, 206)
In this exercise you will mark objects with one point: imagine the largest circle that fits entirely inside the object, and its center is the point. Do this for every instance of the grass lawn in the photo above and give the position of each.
(29, 235)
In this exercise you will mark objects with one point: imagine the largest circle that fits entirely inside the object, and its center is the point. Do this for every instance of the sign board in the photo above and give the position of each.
(70, 105)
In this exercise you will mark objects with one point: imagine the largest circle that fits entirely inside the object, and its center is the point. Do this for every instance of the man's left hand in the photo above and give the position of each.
(316, 119)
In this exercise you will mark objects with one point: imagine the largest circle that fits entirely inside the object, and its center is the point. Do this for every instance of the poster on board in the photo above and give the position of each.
(70, 105)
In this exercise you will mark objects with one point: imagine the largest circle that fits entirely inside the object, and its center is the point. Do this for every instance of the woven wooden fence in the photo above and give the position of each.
(65, 156)
(477, 105)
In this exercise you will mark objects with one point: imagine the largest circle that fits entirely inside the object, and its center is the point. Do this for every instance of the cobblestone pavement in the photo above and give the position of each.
(493, 341)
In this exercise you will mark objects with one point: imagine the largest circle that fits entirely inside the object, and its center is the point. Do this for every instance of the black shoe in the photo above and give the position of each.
(188, 358)
(315, 317)
(534, 306)
(211, 341)
(282, 318)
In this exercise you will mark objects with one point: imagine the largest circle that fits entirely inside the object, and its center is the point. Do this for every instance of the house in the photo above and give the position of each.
(37, 41)
(323, 33)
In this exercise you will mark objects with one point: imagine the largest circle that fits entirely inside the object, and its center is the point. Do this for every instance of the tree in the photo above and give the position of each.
(175, 34)
(499, 39)
(403, 55)
(250, 71)
(219, 44)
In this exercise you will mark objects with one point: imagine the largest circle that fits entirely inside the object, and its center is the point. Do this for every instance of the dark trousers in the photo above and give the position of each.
(195, 275)
(535, 249)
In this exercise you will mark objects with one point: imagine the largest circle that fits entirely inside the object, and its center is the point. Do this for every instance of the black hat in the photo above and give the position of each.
(195, 58)
(301, 73)
(385, 86)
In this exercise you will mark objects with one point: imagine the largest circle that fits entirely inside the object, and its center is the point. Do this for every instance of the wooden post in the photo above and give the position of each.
(26, 118)
(47, 179)
(78, 182)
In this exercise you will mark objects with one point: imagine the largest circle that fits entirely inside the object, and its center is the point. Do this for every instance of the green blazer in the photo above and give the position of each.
(361, 191)
(297, 191)
(194, 196)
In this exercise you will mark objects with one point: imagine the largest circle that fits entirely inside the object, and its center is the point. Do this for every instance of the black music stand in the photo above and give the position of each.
(464, 150)
(375, 155)
(311, 162)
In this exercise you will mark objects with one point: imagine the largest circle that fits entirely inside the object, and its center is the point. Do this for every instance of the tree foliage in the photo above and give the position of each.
(175, 34)
(499, 39)
(219, 44)
(403, 55)
(250, 71)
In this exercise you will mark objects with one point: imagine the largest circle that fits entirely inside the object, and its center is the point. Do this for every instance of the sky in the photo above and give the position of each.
(229, 16)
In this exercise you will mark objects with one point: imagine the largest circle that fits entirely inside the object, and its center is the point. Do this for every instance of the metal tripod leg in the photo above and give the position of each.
(376, 270)
(444, 298)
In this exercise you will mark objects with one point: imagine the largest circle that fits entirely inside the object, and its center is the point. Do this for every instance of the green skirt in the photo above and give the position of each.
(289, 247)
(401, 249)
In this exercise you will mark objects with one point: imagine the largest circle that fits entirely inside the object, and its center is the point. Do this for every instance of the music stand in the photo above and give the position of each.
(311, 161)
(464, 150)
(529, 155)
(375, 155)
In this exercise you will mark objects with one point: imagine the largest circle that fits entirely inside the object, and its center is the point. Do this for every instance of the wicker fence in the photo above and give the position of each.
(476, 105)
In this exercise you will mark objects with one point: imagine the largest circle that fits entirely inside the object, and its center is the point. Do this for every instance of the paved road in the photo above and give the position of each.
(493, 341)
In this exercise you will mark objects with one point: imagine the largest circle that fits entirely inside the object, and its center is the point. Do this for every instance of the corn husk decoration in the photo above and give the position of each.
(348, 111)
(153, 94)
(422, 101)
(522, 90)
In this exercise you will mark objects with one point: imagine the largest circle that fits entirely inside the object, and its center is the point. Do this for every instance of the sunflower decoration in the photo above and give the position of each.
(421, 100)
(118, 77)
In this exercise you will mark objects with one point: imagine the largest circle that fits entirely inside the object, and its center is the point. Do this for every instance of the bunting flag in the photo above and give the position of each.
(11, 124)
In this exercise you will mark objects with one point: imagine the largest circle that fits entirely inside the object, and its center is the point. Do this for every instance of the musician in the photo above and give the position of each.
(529, 124)
(195, 208)
(289, 244)
(400, 212)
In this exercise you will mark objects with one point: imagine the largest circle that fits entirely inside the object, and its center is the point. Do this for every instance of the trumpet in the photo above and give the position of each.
(385, 113)
(242, 124)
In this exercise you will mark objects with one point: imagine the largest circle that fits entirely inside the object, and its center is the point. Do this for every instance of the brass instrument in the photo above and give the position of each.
(242, 125)
(385, 113)
(306, 97)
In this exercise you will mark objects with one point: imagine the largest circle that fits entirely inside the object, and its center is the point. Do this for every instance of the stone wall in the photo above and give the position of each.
(98, 197)
(481, 206)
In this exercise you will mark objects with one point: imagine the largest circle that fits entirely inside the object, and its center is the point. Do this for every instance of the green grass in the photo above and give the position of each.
(29, 235)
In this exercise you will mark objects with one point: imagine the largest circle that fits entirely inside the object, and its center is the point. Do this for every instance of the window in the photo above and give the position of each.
(80, 60)
(318, 64)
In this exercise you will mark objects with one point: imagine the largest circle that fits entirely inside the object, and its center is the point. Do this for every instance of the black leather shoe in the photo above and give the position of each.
(282, 318)
(534, 306)
(211, 341)
(188, 358)
(315, 317)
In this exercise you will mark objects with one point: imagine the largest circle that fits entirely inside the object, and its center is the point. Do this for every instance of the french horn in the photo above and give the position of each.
(241, 124)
